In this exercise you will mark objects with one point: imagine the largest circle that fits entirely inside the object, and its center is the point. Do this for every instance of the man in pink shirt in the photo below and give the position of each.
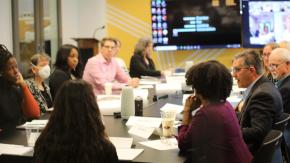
(103, 68)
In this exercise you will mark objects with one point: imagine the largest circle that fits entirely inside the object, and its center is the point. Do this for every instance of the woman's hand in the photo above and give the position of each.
(20, 81)
(192, 103)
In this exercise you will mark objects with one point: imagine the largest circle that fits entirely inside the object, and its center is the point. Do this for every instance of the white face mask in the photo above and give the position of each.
(44, 72)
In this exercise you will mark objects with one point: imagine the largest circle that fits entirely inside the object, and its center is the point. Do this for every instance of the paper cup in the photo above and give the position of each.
(32, 134)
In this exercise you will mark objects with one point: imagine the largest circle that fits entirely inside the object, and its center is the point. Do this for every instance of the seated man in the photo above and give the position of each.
(103, 68)
(279, 66)
(262, 105)
(120, 61)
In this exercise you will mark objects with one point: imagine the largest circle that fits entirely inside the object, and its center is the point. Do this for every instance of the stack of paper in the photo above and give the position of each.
(124, 150)
(11, 149)
(162, 144)
(40, 124)
(109, 104)
(143, 126)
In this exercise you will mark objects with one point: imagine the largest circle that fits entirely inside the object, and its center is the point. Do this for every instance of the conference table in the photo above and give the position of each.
(115, 127)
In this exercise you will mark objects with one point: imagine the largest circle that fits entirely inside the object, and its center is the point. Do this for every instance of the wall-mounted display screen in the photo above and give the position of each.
(196, 24)
(265, 22)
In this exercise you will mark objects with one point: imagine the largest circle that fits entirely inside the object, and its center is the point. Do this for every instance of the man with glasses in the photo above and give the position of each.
(279, 66)
(265, 56)
(103, 68)
(262, 102)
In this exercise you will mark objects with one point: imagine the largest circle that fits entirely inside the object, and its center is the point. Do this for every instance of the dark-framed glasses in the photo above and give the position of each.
(238, 69)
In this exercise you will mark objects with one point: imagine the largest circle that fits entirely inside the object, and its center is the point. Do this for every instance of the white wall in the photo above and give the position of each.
(70, 19)
(6, 24)
(80, 18)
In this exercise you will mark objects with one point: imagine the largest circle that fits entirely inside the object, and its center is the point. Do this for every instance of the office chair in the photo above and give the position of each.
(282, 126)
(269, 148)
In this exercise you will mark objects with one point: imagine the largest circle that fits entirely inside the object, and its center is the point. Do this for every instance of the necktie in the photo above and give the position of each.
(240, 106)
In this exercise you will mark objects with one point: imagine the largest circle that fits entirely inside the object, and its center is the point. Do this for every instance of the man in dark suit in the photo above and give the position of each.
(279, 66)
(262, 101)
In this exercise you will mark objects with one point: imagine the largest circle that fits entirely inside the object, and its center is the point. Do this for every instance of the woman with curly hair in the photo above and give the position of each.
(213, 134)
(75, 131)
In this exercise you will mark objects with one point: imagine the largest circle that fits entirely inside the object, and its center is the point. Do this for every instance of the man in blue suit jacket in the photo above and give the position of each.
(262, 101)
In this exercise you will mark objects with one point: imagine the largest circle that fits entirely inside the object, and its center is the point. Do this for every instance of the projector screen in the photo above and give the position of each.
(195, 24)
(265, 22)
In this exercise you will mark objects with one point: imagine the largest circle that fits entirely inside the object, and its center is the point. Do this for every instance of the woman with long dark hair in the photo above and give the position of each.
(75, 131)
(67, 67)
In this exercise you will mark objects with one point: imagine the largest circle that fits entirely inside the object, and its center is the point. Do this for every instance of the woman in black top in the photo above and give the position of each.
(67, 67)
(16, 102)
(75, 131)
(141, 63)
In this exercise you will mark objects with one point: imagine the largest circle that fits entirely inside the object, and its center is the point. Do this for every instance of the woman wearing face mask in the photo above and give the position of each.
(41, 71)
(67, 67)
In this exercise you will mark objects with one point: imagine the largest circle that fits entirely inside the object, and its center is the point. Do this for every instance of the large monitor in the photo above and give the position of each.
(195, 24)
(265, 22)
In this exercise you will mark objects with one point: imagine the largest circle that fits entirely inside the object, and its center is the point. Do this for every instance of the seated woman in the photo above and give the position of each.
(41, 71)
(16, 102)
(67, 67)
(213, 133)
(141, 63)
(75, 131)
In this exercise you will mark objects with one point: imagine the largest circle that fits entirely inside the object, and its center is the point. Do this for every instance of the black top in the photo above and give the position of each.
(284, 89)
(56, 79)
(138, 67)
(10, 105)
(47, 98)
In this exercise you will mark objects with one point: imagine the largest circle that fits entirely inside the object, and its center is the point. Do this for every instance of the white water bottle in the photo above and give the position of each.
(127, 103)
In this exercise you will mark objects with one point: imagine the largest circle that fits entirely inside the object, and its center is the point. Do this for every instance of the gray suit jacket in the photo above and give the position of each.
(262, 108)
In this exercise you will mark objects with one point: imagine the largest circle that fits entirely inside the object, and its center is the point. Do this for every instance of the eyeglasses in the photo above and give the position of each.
(238, 69)
(266, 54)
(274, 66)
(109, 47)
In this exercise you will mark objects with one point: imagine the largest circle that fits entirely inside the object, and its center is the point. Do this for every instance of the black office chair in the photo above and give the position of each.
(270, 146)
(282, 126)
(282, 123)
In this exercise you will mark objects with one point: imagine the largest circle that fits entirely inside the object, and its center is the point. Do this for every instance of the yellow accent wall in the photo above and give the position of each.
(129, 20)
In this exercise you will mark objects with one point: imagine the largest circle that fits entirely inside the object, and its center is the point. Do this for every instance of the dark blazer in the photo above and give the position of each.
(139, 68)
(284, 89)
(56, 79)
(214, 133)
(262, 108)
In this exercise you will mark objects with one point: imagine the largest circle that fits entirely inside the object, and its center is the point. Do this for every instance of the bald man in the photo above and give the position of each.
(279, 66)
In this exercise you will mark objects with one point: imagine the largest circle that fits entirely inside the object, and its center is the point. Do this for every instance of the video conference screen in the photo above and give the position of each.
(265, 22)
(195, 24)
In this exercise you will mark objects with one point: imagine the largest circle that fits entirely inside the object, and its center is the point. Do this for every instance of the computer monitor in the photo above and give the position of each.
(196, 24)
(265, 22)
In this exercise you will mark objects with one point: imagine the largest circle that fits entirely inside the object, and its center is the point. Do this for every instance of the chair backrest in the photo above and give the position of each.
(271, 143)
(282, 123)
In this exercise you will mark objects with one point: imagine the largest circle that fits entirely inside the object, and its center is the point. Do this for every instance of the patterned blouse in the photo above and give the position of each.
(36, 92)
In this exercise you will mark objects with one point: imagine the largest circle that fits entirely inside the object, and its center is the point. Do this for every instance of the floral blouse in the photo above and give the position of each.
(36, 92)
